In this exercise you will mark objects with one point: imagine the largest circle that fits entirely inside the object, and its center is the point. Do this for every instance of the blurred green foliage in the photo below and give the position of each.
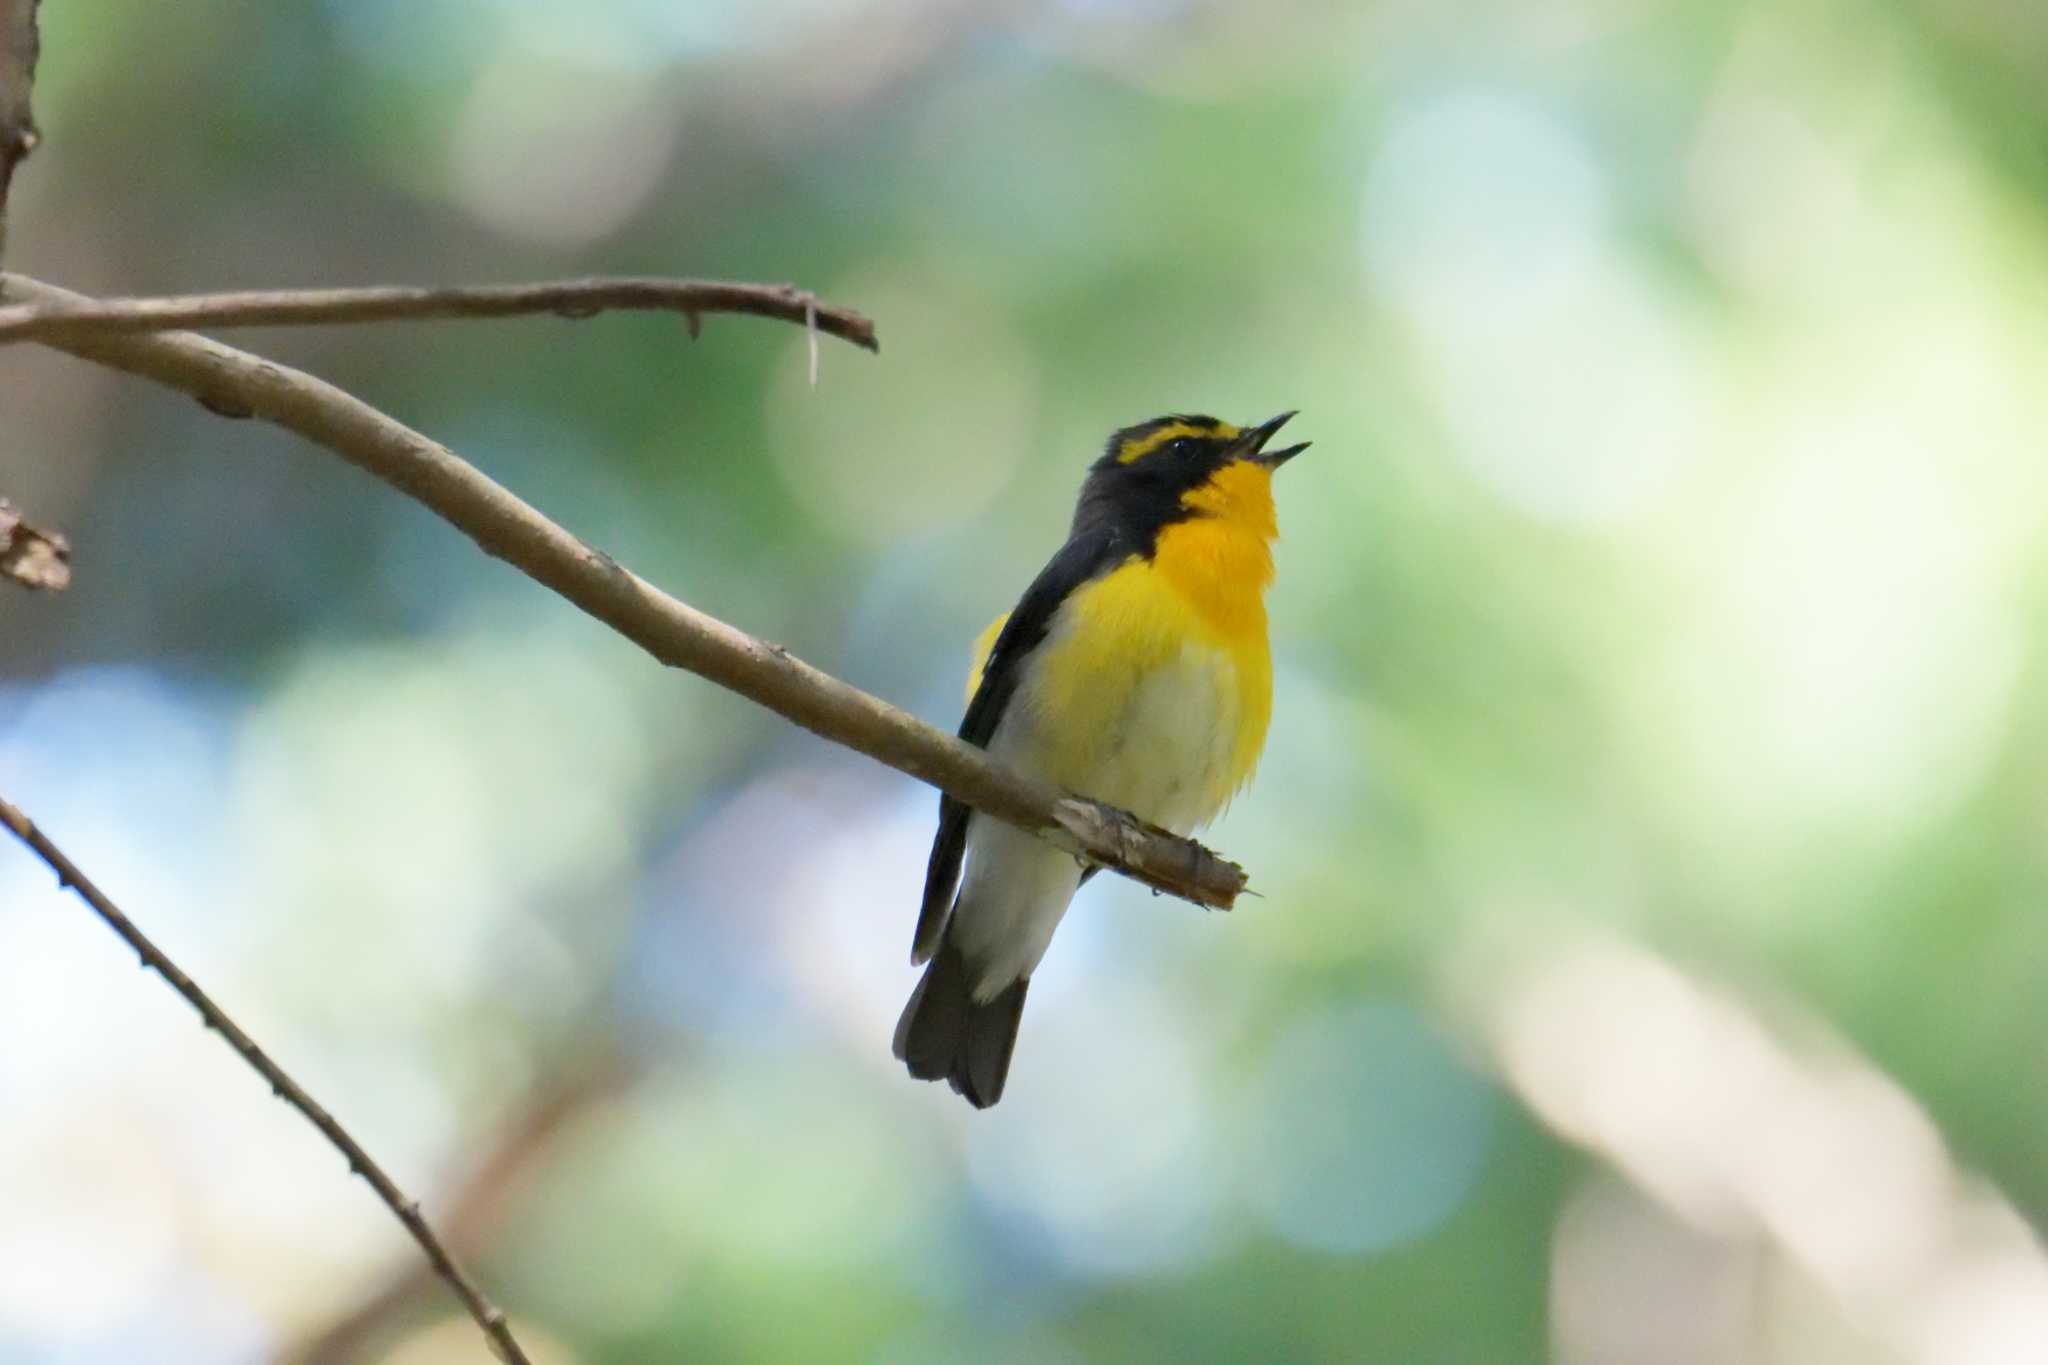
(1667, 573)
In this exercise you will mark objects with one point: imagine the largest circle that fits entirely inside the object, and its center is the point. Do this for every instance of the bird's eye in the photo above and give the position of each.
(1183, 447)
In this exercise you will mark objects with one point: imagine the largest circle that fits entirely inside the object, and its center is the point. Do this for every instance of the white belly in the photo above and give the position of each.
(1165, 752)
(1162, 750)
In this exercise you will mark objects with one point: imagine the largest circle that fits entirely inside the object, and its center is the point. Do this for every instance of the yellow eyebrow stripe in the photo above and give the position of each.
(1142, 446)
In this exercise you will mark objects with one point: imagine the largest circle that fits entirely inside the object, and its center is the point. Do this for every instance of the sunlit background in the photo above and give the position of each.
(1649, 965)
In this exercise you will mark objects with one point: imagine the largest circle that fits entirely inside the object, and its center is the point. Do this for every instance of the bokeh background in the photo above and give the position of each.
(1650, 951)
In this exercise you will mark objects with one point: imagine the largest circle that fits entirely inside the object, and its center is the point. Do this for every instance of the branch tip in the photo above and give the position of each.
(79, 316)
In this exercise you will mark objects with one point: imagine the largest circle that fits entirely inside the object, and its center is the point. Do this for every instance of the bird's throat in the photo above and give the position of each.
(1221, 567)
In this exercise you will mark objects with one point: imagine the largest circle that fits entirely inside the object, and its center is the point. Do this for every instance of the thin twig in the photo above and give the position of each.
(393, 303)
(488, 1316)
(478, 1207)
(30, 555)
(19, 47)
(677, 634)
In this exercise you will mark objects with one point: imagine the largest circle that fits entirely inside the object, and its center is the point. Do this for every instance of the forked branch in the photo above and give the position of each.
(234, 382)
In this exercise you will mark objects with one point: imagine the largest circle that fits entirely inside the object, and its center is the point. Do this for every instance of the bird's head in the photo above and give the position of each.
(1179, 467)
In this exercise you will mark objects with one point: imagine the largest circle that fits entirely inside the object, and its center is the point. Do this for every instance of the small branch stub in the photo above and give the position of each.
(30, 555)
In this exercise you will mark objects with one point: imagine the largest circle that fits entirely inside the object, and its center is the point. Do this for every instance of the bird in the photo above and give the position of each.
(1134, 670)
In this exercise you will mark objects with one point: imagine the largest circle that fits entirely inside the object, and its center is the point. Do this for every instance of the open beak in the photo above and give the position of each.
(1255, 443)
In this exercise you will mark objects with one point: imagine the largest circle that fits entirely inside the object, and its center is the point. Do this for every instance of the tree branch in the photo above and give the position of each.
(232, 381)
(565, 298)
(19, 47)
(477, 1208)
(31, 556)
(488, 1316)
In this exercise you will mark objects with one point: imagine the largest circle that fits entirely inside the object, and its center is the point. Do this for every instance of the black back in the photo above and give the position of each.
(1085, 556)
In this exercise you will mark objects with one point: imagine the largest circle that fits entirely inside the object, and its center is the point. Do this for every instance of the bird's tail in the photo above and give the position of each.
(945, 1035)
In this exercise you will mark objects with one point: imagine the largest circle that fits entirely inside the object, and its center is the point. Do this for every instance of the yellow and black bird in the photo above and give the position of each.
(1134, 670)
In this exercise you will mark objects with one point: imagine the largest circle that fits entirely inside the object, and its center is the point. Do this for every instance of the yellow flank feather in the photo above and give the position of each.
(984, 645)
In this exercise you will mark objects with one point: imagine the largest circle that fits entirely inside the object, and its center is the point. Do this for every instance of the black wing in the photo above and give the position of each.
(1086, 555)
